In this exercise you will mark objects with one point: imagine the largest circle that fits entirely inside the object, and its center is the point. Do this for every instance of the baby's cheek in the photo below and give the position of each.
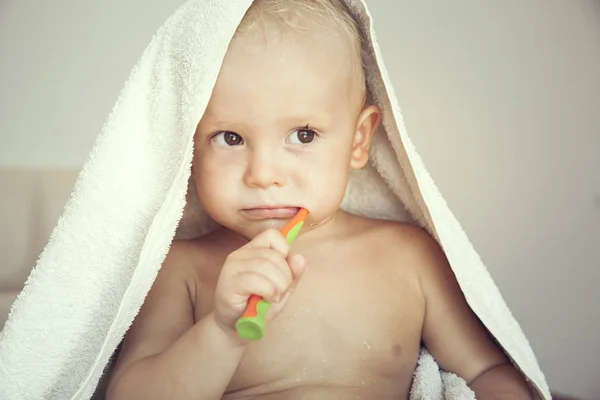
(211, 184)
(326, 187)
(217, 171)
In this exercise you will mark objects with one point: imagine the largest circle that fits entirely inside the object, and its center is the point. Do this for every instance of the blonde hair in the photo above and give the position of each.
(301, 15)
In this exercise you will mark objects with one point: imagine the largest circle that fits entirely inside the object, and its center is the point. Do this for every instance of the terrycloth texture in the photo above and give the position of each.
(107, 248)
(430, 383)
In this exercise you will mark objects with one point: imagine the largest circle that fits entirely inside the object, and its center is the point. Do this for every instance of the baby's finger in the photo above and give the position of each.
(297, 265)
(251, 255)
(275, 258)
(273, 239)
(273, 272)
(253, 283)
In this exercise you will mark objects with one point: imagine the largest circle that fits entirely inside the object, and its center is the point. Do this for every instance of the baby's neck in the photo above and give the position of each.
(328, 228)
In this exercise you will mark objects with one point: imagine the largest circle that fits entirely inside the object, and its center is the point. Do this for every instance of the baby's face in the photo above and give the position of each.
(282, 130)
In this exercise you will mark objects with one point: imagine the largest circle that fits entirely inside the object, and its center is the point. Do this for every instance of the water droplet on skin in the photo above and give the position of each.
(362, 381)
(305, 309)
(367, 345)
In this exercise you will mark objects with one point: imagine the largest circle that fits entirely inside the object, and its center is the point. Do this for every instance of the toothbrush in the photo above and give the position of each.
(251, 325)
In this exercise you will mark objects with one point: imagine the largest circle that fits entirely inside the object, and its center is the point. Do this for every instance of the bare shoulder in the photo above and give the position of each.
(184, 256)
(167, 311)
(181, 257)
(395, 238)
(180, 265)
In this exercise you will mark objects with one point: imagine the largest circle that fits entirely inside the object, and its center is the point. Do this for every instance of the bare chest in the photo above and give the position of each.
(348, 324)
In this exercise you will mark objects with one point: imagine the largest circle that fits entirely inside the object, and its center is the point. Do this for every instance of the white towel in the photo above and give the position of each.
(108, 246)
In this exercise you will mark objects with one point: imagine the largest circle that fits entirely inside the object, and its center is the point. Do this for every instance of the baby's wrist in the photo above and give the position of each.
(229, 336)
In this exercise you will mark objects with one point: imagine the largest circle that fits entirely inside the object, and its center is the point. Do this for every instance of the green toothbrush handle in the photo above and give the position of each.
(252, 324)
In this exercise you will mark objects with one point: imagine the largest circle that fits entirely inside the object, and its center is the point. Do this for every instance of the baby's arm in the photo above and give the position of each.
(455, 336)
(166, 355)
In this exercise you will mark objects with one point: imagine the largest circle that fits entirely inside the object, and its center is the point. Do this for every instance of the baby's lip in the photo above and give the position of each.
(268, 212)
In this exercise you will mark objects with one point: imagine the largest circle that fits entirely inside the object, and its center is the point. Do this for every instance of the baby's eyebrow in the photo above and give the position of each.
(304, 120)
(212, 123)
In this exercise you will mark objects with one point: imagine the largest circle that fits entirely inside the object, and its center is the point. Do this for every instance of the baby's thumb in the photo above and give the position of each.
(297, 264)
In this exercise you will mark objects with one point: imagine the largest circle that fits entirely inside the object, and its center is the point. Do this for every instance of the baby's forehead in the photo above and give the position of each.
(276, 100)
(261, 89)
(303, 63)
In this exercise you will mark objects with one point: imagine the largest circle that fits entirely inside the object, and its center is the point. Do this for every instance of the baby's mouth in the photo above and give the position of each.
(276, 212)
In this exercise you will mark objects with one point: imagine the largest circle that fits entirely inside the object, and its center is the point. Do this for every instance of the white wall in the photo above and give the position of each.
(502, 100)
(62, 64)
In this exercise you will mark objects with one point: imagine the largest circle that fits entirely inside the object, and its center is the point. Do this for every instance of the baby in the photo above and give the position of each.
(354, 298)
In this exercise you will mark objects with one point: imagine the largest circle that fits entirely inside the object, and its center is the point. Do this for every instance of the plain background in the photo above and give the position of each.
(502, 100)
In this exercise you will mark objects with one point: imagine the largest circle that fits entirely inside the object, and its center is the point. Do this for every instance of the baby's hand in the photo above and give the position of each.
(263, 267)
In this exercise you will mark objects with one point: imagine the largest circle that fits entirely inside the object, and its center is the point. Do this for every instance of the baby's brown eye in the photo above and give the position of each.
(227, 139)
(303, 136)
(306, 135)
(232, 139)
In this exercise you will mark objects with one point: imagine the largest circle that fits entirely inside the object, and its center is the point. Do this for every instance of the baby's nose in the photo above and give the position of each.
(264, 169)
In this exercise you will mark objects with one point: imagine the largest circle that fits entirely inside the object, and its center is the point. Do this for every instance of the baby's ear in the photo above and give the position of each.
(367, 124)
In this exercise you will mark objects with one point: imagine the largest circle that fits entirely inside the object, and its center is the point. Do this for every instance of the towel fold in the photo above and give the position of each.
(132, 198)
